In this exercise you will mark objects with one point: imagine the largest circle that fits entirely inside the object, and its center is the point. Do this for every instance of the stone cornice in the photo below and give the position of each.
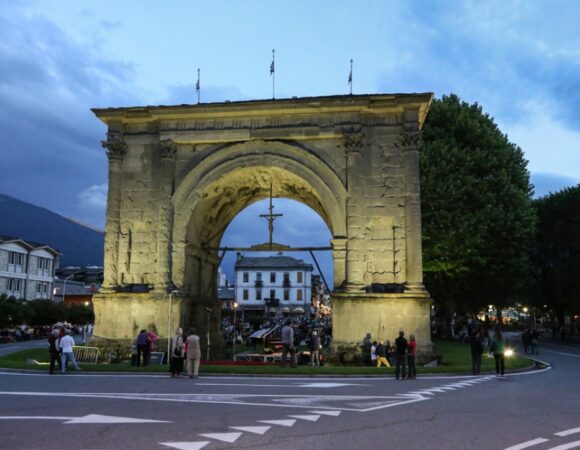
(373, 105)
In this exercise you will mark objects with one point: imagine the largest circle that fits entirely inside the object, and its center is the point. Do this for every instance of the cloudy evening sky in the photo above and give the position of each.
(519, 59)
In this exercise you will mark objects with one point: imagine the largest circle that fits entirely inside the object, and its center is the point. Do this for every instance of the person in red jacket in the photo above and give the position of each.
(411, 352)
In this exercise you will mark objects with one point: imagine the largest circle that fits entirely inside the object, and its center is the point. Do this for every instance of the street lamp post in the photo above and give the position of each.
(235, 305)
(169, 313)
(64, 285)
(208, 310)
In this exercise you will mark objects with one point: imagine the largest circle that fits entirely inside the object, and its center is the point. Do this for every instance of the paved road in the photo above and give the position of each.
(539, 410)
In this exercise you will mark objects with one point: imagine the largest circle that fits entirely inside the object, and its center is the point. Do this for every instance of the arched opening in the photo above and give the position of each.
(213, 193)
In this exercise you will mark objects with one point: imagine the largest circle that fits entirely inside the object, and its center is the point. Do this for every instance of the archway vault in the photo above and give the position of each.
(232, 178)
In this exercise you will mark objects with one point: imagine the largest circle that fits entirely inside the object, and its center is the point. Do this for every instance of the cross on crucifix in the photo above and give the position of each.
(270, 217)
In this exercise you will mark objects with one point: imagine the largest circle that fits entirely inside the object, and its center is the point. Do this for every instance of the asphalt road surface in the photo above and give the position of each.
(538, 409)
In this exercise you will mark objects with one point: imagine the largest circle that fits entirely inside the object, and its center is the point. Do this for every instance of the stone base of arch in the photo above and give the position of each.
(383, 316)
(119, 317)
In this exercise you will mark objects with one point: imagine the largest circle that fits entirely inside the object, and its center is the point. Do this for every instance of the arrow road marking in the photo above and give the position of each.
(91, 418)
(309, 418)
(326, 413)
(186, 445)
(282, 423)
(224, 437)
(255, 430)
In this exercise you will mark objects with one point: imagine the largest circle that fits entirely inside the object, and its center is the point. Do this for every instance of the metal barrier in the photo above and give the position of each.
(86, 354)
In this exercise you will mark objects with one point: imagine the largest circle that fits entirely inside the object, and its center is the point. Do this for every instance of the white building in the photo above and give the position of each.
(274, 284)
(26, 269)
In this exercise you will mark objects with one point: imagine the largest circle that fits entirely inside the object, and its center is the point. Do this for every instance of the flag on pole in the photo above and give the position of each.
(272, 68)
(350, 77)
(197, 86)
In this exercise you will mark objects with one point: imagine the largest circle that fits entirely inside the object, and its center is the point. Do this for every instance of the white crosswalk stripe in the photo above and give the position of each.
(255, 430)
(186, 445)
(310, 418)
(224, 437)
(282, 423)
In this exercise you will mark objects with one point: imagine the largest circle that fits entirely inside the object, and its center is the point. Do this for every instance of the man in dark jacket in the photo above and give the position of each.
(401, 355)
(53, 350)
(288, 345)
(476, 351)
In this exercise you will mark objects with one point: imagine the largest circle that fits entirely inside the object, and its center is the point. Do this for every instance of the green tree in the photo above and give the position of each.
(79, 314)
(557, 251)
(478, 218)
(13, 312)
(45, 312)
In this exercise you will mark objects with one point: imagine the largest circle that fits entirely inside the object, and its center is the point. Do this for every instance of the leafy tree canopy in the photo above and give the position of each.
(476, 208)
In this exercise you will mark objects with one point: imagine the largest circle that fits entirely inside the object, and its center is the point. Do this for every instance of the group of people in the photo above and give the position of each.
(496, 346)
(142, 347)
(401, 355)
(60, 349)
(530, 340)
(185, 348)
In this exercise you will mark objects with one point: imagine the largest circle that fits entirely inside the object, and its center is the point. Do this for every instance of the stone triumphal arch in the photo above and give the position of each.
(179, 174)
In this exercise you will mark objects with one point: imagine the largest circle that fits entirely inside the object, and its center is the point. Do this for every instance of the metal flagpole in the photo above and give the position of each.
(197, 86)
(350, 77)
(273, 75)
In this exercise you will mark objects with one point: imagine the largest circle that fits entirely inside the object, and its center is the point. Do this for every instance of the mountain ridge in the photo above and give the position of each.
(79, 244)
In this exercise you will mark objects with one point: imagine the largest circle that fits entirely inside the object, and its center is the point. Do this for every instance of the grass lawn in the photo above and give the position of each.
(456, 359)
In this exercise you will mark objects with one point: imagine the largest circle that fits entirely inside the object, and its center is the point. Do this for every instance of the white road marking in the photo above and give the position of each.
(575, 444)
(568, 432)
(327, 413)
(224, 437)
(255, 430)
(90, 418)
(527, 444)
(186, 445)
(282, 423)
(311, 385)
(311, 418)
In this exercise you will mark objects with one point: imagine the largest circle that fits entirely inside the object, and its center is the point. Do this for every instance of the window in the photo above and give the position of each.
(299, 277)
(246, 277)
(258, 276)
(41, 289)
(43, 266)
(272, 293)
(286, 277)
(245, 294)
(299, 295)
(272, 277)
(15, 262)
(15, 258)
(286, 294)
(258, 294)
(14, 286)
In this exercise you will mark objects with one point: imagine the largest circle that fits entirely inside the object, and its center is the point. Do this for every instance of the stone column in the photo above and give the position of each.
(413, 247)
(339, 259)
(353, 143)
(116, 150)
(163, 280)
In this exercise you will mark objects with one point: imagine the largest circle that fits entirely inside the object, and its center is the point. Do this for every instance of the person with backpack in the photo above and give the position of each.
(177, 353)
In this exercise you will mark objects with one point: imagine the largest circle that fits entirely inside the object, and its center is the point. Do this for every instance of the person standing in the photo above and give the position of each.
(176, 366)
(193, 354)
(53, 350)
(288, 345)
(142, 347)
(381, 352)
(411, 352)
(400, 355)
(66, 344)
(476, 344)
(315, 348)
(498, 349)
(534, 336)
(367, 350)
(526, 338)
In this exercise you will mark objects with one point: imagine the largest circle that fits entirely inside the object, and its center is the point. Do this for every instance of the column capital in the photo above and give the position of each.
(116, 149)
(168, 148)
(353, 140)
